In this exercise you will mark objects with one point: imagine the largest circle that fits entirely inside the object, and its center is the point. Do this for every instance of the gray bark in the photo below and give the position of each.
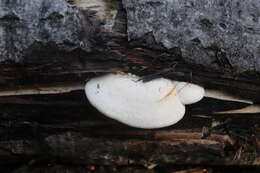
(39, 25)
(206, 32)
(44, 41)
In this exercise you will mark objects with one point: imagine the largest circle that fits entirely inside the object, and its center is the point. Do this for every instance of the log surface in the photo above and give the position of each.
(58, 44)
(210, 33)
(65, 128)
(54, 42)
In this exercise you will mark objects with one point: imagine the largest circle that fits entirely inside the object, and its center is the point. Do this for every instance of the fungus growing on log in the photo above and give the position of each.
(155, 104)
(189, 93)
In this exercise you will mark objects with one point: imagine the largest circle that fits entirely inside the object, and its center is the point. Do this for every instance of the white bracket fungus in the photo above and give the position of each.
(155, 104)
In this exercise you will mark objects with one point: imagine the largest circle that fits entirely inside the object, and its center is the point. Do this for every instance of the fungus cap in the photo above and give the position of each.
(123, 97)
(189, 93)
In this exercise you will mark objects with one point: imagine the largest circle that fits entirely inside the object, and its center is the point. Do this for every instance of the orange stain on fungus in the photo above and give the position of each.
(171, 92)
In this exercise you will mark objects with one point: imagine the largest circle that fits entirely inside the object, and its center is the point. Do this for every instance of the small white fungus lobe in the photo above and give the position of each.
(189, 93)
(154, 104)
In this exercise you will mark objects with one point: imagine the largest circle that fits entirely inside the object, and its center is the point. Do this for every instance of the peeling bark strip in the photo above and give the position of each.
(47, 89)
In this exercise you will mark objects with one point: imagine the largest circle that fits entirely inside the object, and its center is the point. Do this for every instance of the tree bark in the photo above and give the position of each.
(49, 49)
(57, 42)
(65, 128)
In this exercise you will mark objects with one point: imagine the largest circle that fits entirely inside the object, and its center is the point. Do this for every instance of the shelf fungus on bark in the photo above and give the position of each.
(155, 104)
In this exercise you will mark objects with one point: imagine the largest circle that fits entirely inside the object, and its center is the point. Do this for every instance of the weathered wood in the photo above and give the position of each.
(108, 45)
(81, 169)
(52, 167)
(49, 50)
(66, 129)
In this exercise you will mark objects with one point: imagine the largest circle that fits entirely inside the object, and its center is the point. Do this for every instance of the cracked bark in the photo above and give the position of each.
(48, 49)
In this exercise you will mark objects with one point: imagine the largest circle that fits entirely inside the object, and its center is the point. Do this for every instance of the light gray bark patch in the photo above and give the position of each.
(24, 24)
(208, 32)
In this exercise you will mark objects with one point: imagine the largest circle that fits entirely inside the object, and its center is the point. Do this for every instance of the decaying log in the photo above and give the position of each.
(134, 169)
(66, 129)
(82, 169)
(48, 49)
(64, 42)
